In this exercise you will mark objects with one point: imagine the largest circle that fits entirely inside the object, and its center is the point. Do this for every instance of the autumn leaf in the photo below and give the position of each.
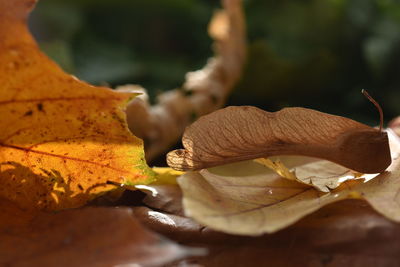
(91, 236)
(348, 232)
(61, 140)
(167, 198)
(235, 134)
(279, 167)
(249, 199)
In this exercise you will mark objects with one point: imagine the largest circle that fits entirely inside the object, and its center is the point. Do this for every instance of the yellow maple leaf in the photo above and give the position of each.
(61, 140)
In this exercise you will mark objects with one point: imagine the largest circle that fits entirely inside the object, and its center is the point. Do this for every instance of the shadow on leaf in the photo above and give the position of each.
(45, 191)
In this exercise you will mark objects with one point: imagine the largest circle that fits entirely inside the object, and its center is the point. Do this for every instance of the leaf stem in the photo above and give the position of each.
(365, 93)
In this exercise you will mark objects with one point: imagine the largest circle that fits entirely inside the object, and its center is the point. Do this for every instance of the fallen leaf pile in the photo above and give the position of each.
(346, 233)
(248, 198)
(64, 142)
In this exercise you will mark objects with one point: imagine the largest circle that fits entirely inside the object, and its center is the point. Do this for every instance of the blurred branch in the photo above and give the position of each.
(394, 124)
(205, 90)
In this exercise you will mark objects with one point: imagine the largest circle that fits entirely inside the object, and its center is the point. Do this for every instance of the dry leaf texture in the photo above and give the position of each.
(81, 237)
(246, 198)
(235, 134)
(61, 140)
(349, 232)
(322, 174)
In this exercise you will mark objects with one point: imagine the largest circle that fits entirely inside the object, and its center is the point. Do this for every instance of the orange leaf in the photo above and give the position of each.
(61, 140)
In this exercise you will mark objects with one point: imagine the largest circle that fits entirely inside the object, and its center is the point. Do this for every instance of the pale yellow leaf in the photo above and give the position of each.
(278, 166)
(248, 199)
(324, 175)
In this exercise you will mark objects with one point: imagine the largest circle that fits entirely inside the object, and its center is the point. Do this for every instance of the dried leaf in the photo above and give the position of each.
(164, 197)
(62, 140)
(349, 231)
(240, 133)
(353, 235)
(163, 194)
(173, 226)
(279, 167)
(322, 174)
(82, 237)
(230, 200)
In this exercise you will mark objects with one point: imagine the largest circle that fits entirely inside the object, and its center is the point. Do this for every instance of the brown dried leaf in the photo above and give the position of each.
(173, 226)
(229, 199)
(81, 237)
(349, 231)
(163, 194)
(240, 133)
(164, 197)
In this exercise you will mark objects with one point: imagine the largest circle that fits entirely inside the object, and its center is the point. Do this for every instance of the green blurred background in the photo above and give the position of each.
(311, 53)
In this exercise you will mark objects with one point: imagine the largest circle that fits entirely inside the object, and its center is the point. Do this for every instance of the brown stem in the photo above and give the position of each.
(365, 93)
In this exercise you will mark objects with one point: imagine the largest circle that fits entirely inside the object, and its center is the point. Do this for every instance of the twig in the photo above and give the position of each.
(205, 90)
